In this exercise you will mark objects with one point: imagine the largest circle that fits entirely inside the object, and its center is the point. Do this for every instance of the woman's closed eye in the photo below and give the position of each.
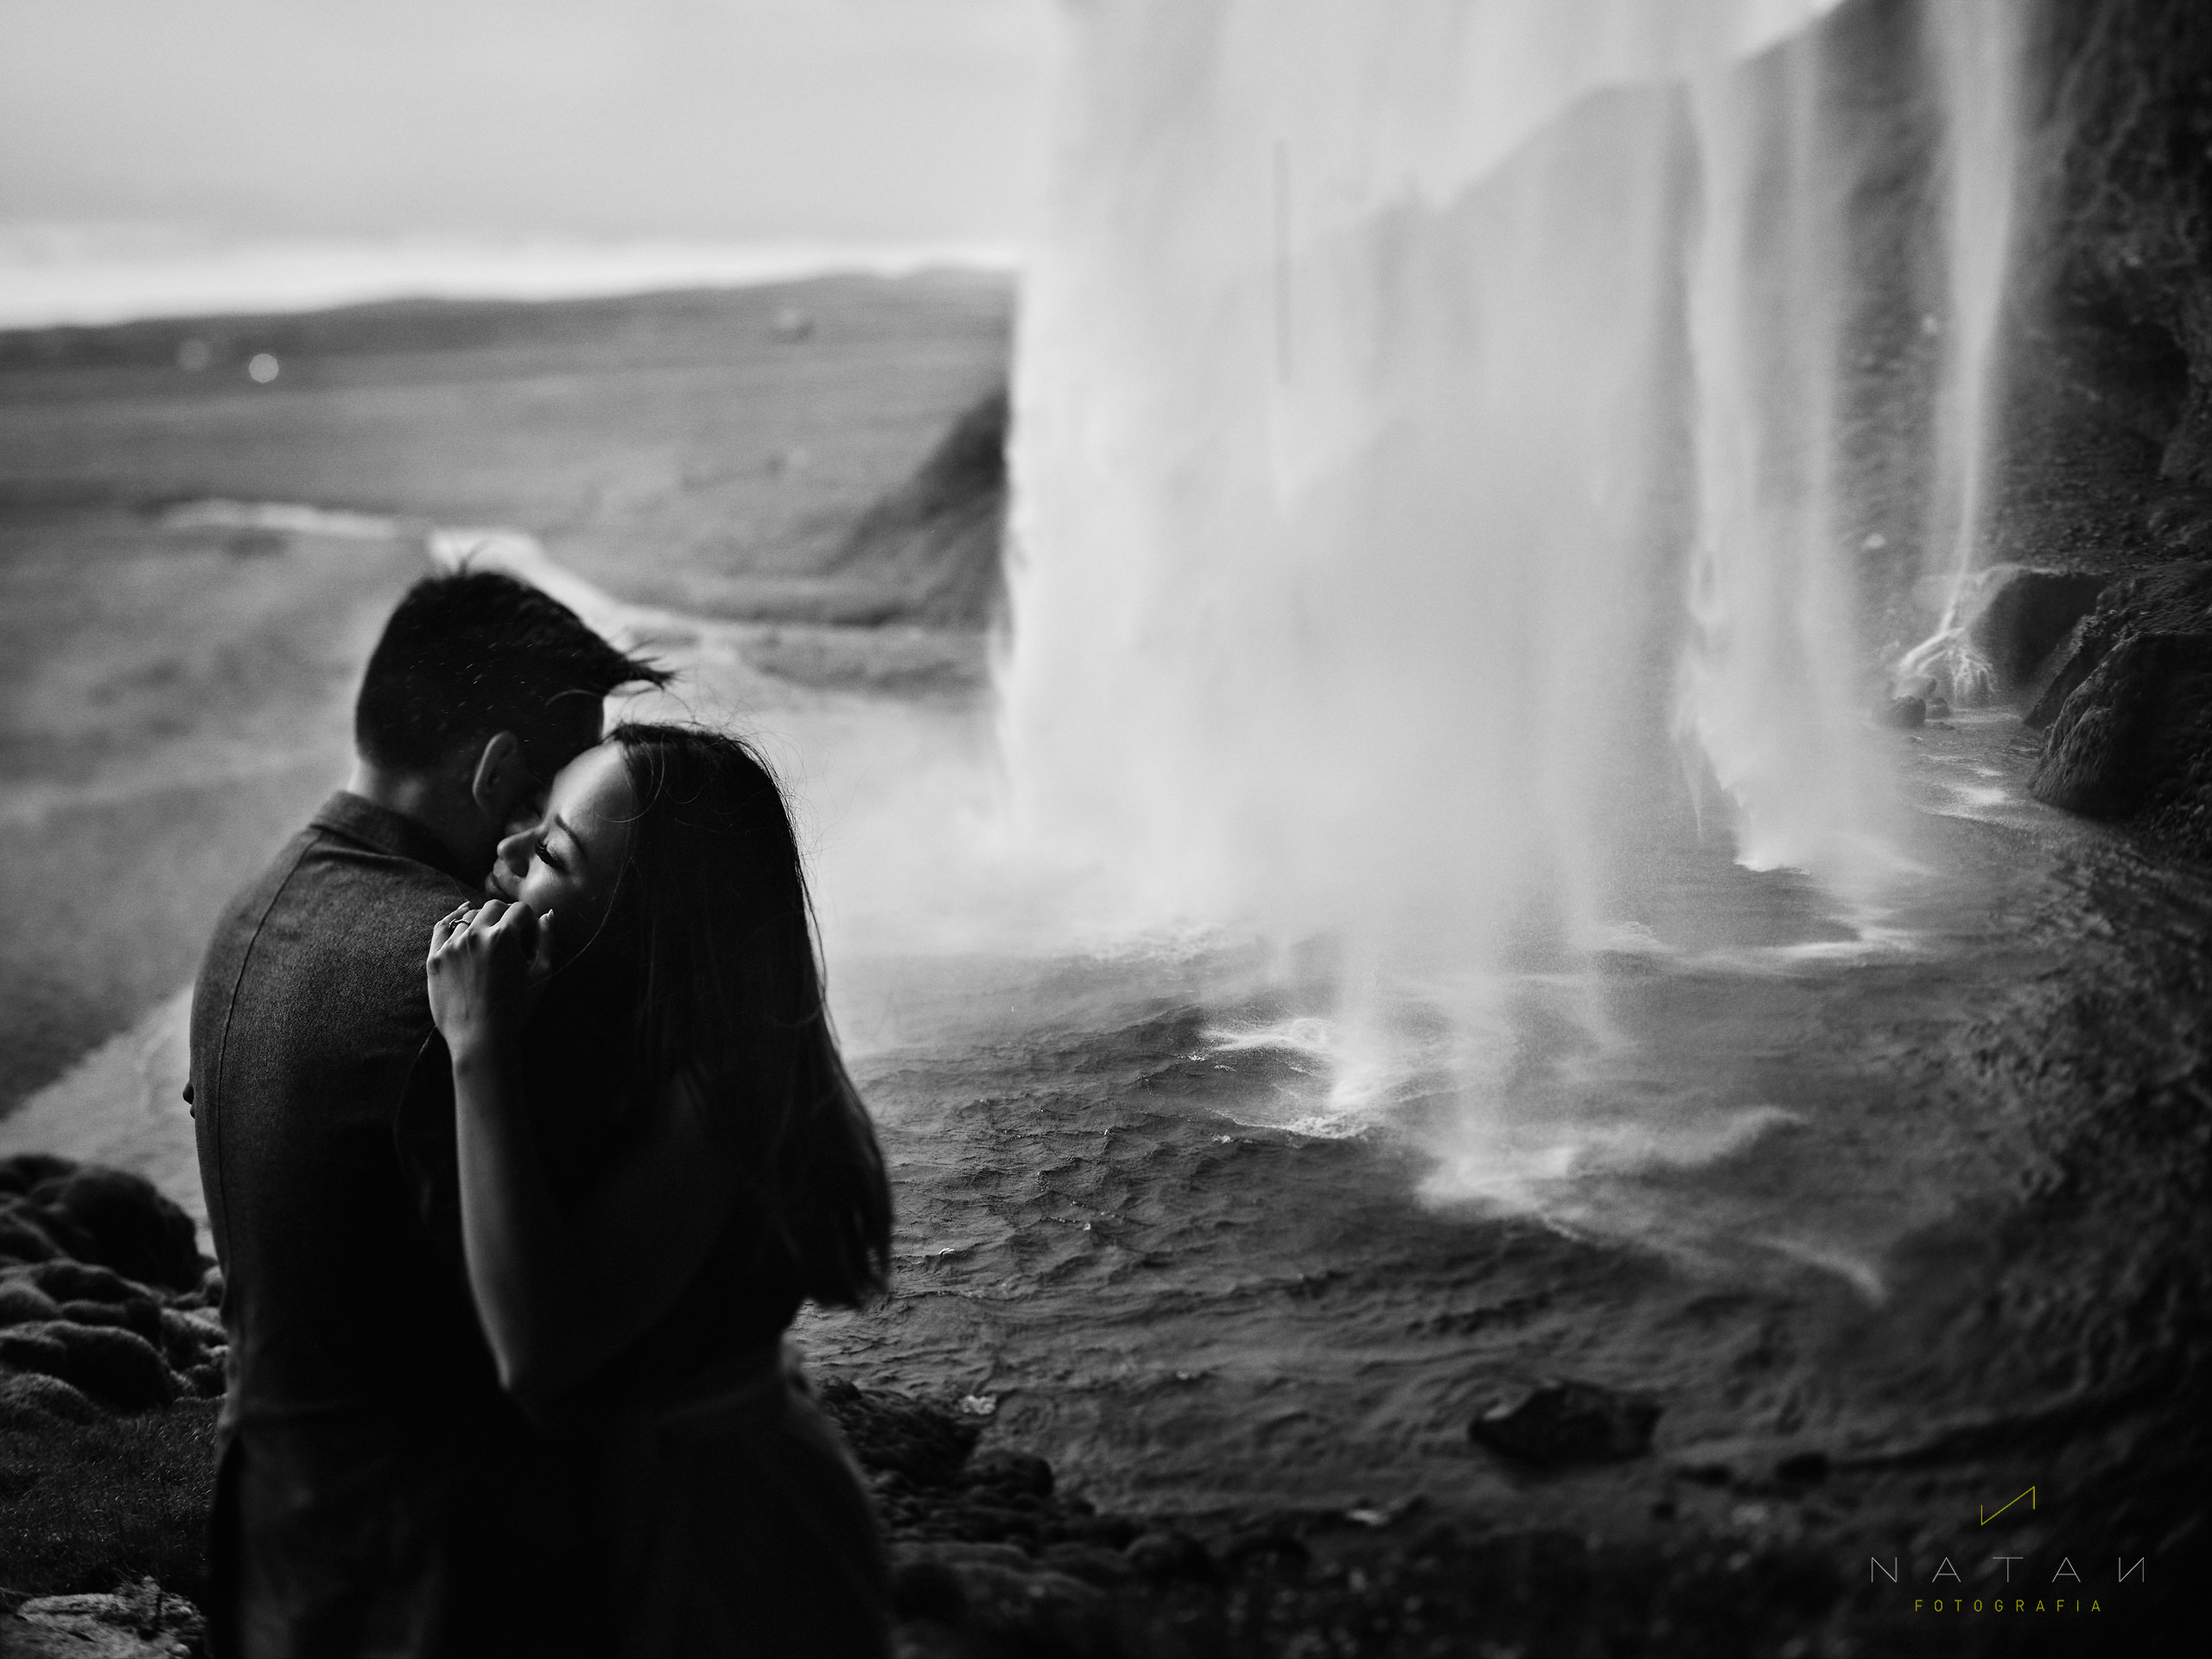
(542, 848)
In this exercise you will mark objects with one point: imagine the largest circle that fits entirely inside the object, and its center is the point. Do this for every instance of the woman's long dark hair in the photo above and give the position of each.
(730, 995)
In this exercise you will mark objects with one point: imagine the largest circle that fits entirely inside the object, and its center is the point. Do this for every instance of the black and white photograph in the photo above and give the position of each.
(1105, 829)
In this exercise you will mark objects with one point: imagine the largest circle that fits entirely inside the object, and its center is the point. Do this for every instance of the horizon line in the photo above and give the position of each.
(58, 275)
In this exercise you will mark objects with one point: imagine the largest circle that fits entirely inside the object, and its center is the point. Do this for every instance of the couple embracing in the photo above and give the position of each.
(523, 1135)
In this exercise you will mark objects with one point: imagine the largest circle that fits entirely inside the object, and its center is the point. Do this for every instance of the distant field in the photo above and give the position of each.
(709, 450)
(173, 703)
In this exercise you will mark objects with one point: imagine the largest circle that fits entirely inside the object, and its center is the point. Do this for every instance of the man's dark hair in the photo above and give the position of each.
(476, 652)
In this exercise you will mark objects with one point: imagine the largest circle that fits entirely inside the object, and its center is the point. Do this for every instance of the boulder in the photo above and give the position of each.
(186, 1338)
(140, 1618)
(33, 1400)
(120, 1220)
(1563, 1423)
(925, 1443)
(79, 1281)
(1904, 713)
(1011, 1473)
(22, 1302)
(1274, 1549)
(117, 1367)
(20, 1172)
(1107, 1569)
(22, 1238)
(141, 1315)
(924, 1587)
(1003, 1599)
(2017, 615)
(25, 1638)
(2170, 598)
(211, 1378)
(2138, 721)
(1164, 1553)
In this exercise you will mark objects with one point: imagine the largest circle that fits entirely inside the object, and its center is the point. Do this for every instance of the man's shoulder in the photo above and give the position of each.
(330, 907)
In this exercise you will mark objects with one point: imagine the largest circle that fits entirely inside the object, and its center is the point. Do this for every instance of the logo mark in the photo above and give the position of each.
(1988, 1515)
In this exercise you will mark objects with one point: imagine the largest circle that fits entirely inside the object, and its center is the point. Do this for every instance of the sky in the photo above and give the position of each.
(861, 121)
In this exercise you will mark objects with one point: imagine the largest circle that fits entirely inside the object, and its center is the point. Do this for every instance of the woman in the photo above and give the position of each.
(660, 1156)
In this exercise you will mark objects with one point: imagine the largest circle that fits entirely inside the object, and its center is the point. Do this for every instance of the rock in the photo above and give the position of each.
(32, 1400)
(117, 1367)
(1904, 713)
(1164, 1554)
(2138, 721)
(186, 1338)
(2016, 615)
(21, 1238)
(21, 1172)
(1563, 1422)
(20, 1638)
(924, 1443)
(121, 1220)
(924, 1587)
(1108, 1569)
(21, 1301)
(1803, 1468)
(1011, 1472)
(1010, 1602)
(79, 1281)
(141, 1315)
(2171, 598)
(1273, 1548)
(144, 1615)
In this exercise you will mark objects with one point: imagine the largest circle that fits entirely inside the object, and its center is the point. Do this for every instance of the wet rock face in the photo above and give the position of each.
(2128, 211)
(2137, 724)
(2128, 706)
(2105, 454)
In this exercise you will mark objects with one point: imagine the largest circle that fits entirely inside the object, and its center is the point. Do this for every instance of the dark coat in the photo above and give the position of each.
(378, 1494)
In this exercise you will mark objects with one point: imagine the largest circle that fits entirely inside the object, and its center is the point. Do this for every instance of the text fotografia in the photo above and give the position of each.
(2067, 1591)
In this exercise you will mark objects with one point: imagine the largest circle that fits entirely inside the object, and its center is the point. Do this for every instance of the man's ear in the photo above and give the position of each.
(502, 785)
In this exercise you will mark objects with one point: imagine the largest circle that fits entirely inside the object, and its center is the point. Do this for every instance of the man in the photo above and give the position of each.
(378, 1494)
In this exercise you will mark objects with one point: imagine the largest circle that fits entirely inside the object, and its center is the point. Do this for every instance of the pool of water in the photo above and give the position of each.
(1204, 1239)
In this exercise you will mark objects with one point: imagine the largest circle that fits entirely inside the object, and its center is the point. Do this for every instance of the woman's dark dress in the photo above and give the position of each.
(726, 1514)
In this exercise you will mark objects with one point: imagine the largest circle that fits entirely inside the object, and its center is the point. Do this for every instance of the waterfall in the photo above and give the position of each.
(1974, 46)
(1424, 476)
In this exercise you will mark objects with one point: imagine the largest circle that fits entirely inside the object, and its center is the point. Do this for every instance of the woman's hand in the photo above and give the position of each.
(488, 964)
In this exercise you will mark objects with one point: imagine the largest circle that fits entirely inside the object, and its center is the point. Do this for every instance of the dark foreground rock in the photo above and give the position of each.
(52, 1208)
(1557, 1423)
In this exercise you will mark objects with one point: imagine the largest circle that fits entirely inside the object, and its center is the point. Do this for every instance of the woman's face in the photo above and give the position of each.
(569, 862)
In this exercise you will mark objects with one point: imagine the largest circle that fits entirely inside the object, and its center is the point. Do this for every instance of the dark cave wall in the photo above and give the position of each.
(2106, 455)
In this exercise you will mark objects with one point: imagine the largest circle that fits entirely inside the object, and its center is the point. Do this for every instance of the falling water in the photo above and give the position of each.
(1975, 45)
(1424, 476)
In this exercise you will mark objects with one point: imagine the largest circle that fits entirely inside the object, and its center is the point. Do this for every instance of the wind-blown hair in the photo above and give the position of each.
(730, 992)
(473, 653)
